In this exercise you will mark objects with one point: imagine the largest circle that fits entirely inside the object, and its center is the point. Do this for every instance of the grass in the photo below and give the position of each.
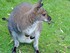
(55, 38)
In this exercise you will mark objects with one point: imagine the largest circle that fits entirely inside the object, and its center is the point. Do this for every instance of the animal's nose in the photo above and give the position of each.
(49, 18)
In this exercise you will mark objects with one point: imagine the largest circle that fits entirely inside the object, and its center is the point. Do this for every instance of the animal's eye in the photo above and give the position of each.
(43, 14)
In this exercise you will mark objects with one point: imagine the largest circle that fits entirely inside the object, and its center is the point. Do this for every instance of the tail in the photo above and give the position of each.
(5, 19)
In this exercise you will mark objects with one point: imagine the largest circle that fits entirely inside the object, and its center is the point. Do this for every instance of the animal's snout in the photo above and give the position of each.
(49, 18)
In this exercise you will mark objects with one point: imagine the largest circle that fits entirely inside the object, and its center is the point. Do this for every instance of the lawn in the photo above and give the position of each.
(55, 38)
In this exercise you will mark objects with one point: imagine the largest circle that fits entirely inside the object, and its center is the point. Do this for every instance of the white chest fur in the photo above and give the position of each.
(31, 28)
(30, 31)
(24, 39)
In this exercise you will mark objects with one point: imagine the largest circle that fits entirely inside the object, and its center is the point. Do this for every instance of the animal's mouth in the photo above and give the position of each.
(49, 22)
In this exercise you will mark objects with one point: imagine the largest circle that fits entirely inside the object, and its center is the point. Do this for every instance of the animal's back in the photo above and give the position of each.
(19, 10)
(23, 8)
(18, 13)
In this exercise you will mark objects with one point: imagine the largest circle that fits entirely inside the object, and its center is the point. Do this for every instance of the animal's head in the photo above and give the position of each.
(41, 13)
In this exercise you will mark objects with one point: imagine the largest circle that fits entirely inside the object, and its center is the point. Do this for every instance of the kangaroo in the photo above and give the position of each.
(25, 24)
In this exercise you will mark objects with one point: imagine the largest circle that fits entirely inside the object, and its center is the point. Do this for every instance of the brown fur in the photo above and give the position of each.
(24, 15)
(21, 18)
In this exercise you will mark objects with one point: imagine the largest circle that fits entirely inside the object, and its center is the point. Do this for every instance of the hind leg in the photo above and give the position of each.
(16, 42)
(37, 34)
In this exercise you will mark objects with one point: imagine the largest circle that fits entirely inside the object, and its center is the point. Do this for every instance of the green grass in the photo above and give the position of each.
(55, 38)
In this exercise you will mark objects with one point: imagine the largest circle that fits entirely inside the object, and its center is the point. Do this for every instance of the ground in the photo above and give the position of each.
(55, 38)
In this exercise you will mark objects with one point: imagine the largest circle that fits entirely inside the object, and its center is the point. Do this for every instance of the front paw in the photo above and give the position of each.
(32, 37)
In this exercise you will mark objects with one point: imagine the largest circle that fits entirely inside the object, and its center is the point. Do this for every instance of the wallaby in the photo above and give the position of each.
(25, 24)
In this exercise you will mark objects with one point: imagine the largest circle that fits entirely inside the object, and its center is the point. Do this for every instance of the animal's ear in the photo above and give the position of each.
(38, 6)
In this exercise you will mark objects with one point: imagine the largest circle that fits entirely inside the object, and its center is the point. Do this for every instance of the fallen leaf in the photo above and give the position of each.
(19, 51)
(10, 41)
